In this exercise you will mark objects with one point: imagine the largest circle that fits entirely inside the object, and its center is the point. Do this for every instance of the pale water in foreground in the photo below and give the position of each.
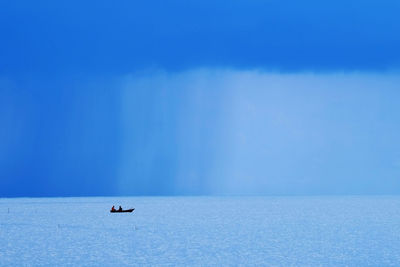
(304, 231)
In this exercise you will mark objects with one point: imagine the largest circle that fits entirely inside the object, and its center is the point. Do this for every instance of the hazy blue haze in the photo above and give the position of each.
(203, 132)
(197, 97)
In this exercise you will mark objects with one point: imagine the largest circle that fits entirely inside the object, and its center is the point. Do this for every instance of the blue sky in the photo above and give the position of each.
(199, 97)
(101, 37)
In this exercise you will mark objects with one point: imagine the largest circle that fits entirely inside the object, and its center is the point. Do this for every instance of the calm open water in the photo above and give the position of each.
(280, 231)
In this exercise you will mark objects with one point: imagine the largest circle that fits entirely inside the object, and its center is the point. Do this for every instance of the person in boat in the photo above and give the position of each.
(120, 208)
(113, 208)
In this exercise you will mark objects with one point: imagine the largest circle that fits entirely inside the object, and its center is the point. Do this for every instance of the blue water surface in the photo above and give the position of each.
(275, 231)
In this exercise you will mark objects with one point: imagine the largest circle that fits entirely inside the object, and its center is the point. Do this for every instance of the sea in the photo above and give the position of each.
(201, 231)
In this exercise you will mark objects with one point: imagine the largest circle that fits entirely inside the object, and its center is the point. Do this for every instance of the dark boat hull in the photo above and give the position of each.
(117, 211)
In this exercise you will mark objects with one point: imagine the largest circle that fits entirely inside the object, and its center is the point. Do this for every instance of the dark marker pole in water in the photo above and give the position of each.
(8, 210)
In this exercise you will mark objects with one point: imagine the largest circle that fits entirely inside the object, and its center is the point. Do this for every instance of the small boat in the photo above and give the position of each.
(130, 210)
